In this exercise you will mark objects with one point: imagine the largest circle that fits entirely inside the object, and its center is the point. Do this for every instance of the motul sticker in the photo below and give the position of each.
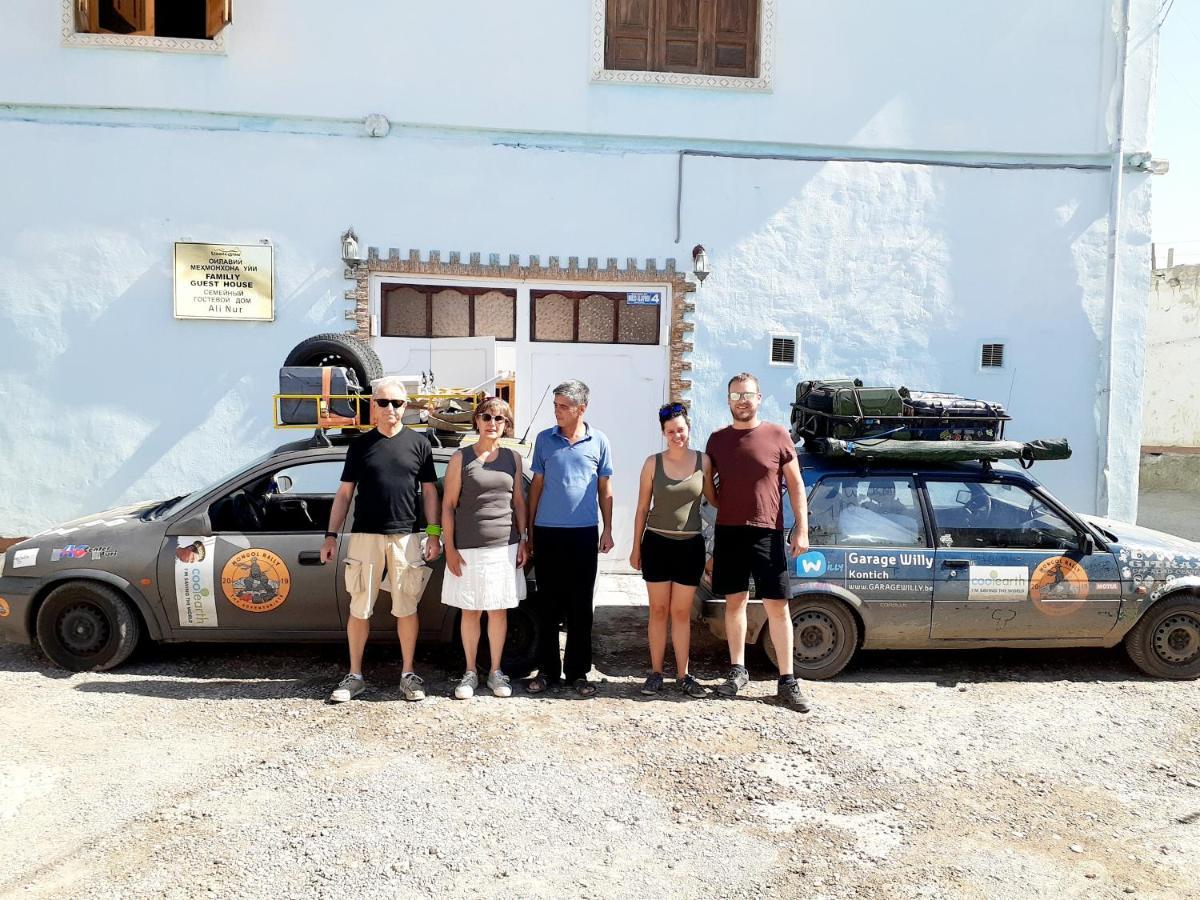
(194, 588)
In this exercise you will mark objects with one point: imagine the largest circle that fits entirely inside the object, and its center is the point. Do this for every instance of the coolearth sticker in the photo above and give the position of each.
(999, 583)
(194, 582)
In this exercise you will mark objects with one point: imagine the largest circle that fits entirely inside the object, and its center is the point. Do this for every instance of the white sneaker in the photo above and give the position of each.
(499, 684)
(351, 687)
(412, 686)
(466, 687)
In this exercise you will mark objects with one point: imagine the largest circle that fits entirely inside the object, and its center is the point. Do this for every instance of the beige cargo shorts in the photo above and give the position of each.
(369, 556)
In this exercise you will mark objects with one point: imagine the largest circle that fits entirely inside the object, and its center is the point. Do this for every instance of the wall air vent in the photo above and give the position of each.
(991, 356)
(784, 349)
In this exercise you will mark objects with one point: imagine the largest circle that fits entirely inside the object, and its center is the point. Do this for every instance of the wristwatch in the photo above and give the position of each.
(331, 534)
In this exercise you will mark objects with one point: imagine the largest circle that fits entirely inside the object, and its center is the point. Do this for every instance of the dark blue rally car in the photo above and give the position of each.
(968, 555)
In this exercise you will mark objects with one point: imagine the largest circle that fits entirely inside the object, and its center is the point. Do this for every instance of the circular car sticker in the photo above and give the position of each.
(1058, 584)
(256, 581)
(4, 609)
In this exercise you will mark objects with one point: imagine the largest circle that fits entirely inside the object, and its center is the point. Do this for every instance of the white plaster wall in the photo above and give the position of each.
(894, 272)
(1025, 76)
(1172, 391)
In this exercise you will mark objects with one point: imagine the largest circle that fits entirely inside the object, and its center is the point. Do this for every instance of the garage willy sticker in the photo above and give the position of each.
(194, 589)
(999, 583)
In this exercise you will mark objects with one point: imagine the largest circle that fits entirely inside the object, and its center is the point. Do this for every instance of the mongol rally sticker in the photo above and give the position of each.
(1058, 584)
(256, 581)
(4, 608)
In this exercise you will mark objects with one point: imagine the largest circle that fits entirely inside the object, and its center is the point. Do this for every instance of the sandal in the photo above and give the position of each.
(584, 688)
(536, 685)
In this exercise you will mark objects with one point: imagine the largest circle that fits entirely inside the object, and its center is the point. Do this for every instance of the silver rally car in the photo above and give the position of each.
(236, 561)
(967, 555)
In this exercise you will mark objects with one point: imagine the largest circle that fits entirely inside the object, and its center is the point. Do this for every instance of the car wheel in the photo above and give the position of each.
(85, 627)
(1165, 642)
(824, 637)
(342, 350)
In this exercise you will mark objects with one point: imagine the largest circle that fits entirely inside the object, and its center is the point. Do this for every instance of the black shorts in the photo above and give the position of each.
(680, 560)
(742, 551)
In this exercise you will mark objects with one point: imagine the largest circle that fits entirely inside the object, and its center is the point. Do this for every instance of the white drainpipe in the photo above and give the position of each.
(1103, 496)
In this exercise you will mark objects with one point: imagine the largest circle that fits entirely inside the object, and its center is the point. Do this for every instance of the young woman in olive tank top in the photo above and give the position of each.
(668, 547)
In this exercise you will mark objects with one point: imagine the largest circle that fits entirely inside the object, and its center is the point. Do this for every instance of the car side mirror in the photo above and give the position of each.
(283, 484)
(1087, 544)
(197, 523)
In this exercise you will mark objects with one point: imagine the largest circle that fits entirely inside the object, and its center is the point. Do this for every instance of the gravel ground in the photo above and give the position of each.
(220, 771)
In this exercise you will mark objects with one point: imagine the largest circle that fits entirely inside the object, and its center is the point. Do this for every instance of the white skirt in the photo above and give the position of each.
(490, 580)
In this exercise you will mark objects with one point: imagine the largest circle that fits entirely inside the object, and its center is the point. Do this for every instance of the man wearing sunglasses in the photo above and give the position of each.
(385, 465)
(751, 461)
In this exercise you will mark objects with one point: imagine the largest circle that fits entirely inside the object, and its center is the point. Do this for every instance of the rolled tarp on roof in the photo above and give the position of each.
(943, 451)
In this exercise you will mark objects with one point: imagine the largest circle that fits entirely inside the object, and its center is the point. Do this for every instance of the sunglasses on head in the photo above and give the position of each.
(671, 410)
(384, 404)
(488, 417)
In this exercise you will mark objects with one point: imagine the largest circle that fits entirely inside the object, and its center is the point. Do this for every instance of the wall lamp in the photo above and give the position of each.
(350, 252)
(700, 263)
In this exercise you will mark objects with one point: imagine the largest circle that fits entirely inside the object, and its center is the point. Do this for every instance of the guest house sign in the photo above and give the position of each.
(224, 281)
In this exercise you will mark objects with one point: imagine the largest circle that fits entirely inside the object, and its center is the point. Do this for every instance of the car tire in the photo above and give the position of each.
(343, 350)
(1165, 642)
(824, 637)
(87, 627)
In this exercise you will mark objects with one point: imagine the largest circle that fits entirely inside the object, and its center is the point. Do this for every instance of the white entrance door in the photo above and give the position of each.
(628, 384)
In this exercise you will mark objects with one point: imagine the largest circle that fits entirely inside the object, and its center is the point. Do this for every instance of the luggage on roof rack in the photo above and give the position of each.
(844, 408)
(1026, 452)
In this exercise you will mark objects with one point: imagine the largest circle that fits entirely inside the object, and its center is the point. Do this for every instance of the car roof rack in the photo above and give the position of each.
(987, 452)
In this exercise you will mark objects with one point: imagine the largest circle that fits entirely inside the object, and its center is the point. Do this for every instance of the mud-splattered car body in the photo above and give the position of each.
(968, 556)
(236, 561)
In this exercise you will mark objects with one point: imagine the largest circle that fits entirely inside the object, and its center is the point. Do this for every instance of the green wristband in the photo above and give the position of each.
(433, 530)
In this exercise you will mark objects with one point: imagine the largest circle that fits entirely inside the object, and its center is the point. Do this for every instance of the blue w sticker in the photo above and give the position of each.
(811, 564)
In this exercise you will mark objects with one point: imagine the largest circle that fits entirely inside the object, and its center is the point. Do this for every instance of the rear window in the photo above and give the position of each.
(872, 511)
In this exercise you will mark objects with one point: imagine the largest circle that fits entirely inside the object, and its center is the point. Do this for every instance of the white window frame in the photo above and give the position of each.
(770, 344)
(762, 83)
(73, 38)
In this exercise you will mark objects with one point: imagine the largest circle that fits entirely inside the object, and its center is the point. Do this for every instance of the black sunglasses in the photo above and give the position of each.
(394, 404)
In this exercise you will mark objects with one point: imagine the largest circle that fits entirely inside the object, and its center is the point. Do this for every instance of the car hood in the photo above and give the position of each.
(85, 541)
(1135, 537)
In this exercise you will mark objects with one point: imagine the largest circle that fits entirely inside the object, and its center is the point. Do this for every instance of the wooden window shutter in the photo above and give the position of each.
(218, 15)
(734, 38)
(87, 17)
(628, 38)
(682, 29)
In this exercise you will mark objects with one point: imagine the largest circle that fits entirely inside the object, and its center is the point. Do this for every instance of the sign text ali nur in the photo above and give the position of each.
(224, 281)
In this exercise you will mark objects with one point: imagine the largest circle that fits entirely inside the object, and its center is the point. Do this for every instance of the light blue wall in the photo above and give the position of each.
(893, 272)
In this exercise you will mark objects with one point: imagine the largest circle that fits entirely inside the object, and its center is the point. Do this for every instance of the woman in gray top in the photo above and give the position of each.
(668, 547)
(483, 533)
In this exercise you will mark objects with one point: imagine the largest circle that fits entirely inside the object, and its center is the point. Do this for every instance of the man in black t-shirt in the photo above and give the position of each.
(385, 465)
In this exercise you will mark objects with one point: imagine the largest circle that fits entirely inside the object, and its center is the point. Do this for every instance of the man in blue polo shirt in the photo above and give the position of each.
(571, 493)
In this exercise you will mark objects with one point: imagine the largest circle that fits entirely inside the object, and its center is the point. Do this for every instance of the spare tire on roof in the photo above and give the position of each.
(338, 350)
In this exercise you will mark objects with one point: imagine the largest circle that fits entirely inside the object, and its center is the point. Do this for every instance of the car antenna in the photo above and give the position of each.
(535, 412)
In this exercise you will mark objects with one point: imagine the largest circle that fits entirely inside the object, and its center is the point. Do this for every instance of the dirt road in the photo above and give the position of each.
(196, 772)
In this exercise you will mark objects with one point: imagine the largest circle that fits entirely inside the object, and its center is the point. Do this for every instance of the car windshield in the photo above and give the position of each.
(175, 504)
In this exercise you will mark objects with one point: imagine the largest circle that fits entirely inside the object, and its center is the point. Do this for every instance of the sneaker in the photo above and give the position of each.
(466, 686)
(413, 686)
(737, 679)
(789, 694)
(690, 686)
(500, 685)
(653, 684)
(350, 687)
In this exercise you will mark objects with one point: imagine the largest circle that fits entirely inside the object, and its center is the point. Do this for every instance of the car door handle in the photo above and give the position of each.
(310, 557)
(955, 563)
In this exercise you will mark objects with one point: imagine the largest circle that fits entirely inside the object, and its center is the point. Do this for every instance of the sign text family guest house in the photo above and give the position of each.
(224, 281)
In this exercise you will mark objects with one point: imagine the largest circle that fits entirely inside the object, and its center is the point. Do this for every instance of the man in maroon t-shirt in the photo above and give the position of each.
(751, 460)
